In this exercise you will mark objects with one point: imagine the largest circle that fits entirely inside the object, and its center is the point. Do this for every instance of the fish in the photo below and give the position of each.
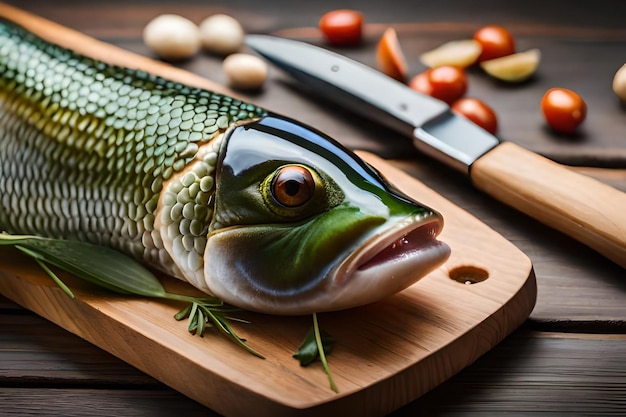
(256, 208)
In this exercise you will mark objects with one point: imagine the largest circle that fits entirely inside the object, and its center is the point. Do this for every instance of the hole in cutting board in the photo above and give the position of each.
(468, 274)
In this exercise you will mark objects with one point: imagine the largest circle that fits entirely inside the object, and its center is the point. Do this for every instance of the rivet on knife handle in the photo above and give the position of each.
(579, 206)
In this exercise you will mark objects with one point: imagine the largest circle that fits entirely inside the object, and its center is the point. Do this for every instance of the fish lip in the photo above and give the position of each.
(422, 241)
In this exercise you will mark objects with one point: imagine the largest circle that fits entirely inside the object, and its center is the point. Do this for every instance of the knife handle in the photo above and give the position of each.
(577, 205)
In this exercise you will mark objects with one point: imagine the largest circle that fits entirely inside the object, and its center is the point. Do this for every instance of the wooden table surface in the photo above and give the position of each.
(569, 357)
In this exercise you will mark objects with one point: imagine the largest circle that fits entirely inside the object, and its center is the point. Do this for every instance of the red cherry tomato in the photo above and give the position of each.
(478, 112)
(496, 42)
(446, 83)
(421, 83)
(449, 83)
(563, 109)
(342, 27)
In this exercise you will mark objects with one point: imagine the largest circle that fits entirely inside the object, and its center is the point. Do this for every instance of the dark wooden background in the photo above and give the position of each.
(570, 356)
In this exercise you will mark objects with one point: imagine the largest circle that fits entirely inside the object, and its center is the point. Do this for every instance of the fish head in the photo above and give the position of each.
(303, 225)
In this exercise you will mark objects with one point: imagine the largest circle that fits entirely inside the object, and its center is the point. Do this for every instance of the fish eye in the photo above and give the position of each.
(293, 186)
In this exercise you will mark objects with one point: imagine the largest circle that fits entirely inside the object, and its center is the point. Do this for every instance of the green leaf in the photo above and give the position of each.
(308, 351)
(222, 324)
(12, 240)
(184, 313)
(192, 324)
(201, 323)
(100, 265)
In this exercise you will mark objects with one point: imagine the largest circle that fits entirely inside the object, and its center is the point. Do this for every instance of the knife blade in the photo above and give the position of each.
(577, 205)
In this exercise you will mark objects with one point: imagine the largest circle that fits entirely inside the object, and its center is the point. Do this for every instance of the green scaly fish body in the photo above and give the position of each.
(92, 146)
(252, 207)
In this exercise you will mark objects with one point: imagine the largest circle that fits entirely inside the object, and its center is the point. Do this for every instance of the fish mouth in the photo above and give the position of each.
(396, 258)
(412, 243)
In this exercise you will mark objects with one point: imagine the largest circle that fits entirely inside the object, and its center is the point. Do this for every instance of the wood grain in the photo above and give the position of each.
(98, 401)
(34, 352)
(535, 373)
(577, 205)
(45, 368)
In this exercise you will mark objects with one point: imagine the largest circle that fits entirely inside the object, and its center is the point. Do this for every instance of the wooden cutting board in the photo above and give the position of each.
(387, 354)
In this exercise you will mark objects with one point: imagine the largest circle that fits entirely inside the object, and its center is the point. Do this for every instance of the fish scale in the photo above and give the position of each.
(88, 148)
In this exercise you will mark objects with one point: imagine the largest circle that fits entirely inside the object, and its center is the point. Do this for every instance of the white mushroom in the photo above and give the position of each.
(172, 37)
(619, 83)
(245, 71)
(221, 34)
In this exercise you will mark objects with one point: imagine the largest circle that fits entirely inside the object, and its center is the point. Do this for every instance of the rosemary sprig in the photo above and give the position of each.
(117, 272)
(201, 315)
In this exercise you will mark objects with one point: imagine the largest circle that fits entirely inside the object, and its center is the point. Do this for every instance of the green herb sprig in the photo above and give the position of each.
(112, 270)
(200, 315)
(317, 344)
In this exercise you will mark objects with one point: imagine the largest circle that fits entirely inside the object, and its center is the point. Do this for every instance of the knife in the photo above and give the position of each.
(587, 210)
